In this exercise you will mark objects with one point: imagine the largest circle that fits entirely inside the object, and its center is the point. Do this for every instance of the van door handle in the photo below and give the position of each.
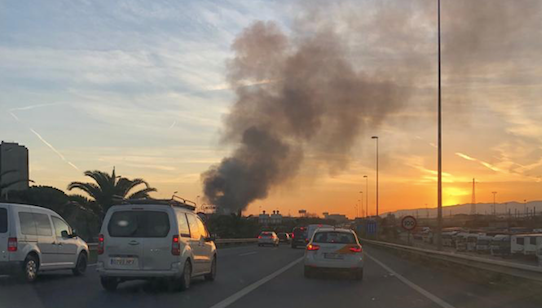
(134, 243)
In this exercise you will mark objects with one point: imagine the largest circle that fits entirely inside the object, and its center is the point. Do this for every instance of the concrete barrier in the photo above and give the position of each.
(508, 268)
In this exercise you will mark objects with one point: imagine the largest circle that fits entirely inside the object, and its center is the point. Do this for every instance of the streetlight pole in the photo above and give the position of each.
(376, 139)
(439, 180)
(361, 201)
(366, 195)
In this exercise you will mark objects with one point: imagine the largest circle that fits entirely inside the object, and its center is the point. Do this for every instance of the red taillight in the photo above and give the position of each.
(101, 243)
(312, 247)
(356, 249)
(259, 236)
(175, 246)
(293, 235)
(12, 244)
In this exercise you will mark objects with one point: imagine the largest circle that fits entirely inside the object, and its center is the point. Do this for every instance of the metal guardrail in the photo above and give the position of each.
(503, 267)
(218, 242)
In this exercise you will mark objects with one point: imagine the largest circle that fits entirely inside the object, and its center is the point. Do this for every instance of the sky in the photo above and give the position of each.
(142, 86)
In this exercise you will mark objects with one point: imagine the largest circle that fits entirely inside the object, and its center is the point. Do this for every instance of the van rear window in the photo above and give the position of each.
(3, 220)
(138, 224)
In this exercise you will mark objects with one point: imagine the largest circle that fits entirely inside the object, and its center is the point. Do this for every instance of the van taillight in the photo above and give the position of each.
(101, 244)
(12, 244)
(175, 245)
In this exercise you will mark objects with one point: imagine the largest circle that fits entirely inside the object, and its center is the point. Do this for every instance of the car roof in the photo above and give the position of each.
(30, 207)
(334, 230)
(130, 206)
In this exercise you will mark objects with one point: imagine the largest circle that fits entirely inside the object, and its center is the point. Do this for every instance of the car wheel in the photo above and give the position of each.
(308, 272)
(186, 277)
(81, 266)
(212, 275)
(359, 274)
(110, 284)
(30, 268)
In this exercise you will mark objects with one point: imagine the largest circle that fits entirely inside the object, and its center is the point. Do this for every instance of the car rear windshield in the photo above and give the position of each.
(3, 220)
(266, 234)
(334, 237)
(138, 224)
(299, 231)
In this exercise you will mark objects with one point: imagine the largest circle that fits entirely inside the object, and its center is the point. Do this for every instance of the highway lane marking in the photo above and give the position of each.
(93, 264)
(411, 284)
(236, 296)
(4, 276)
(247, 253)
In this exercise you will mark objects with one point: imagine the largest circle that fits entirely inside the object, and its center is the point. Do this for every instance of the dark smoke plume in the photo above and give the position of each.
(310, 94)
(305, 97)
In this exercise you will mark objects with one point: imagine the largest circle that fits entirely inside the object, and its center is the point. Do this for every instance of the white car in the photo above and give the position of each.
(35, 239)
(334, 250)
(152, 239)
(268, 238)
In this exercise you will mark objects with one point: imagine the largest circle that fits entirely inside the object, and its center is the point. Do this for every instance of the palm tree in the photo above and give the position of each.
(110, 189)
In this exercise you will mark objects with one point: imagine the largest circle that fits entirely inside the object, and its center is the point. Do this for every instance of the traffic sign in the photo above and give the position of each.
(371, 227)
(409, 223)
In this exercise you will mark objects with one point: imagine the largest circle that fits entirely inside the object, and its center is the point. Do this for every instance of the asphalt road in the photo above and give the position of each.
(263, 277)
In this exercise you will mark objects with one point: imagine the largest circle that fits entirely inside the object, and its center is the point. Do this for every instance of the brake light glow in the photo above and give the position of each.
(312, 247)
(12, 244)
(356, 249)
(101, 243)
(293, 235)
(175, 245)
(260, 236)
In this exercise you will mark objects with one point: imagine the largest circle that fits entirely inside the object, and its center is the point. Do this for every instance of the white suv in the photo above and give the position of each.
(151, 239)
(35, 239)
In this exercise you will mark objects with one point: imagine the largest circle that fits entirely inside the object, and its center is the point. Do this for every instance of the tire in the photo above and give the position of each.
(308, 272)
(110, 284)
(30, 269)
(358, 275)
(186, 277)
(81, 265)
(212, 275)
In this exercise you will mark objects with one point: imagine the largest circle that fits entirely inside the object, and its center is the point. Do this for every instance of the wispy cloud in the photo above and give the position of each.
(483, 163)
(46, 143)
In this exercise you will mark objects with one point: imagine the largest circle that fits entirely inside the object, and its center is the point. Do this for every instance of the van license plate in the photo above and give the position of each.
(333, 256)
(123, 261)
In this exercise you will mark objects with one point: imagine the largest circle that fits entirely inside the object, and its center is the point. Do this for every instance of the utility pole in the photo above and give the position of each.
(439, 185)
(473, 204)
(494, 204)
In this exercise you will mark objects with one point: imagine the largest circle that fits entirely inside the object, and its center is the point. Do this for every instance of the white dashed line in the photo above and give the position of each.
(248, 253)
(236, 296)
(411, 284)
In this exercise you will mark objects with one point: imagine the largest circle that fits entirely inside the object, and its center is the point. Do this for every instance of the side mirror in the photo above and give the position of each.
(64, 234)
(74, 233)
(210, 239)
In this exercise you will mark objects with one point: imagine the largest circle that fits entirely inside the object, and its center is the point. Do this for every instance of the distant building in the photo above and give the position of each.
(339, 218)
(263, 218)
(13, 166)
(273, 219)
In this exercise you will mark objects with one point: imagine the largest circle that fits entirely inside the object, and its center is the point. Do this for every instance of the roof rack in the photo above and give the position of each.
(171, 202)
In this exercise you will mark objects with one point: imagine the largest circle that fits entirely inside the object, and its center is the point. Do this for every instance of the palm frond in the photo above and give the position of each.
(144, 193)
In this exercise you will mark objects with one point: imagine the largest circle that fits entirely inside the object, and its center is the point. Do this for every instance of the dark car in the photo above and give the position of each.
(299, 236)
(284, 237)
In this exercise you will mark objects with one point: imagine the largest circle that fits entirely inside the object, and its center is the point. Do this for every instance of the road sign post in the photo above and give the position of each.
(409, 223)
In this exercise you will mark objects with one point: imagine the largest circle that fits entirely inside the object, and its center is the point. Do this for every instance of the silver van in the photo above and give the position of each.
(35, 239)
(154, 239)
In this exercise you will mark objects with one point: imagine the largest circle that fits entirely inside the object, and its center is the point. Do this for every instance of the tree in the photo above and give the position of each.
(9, 184)
(109, 189)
